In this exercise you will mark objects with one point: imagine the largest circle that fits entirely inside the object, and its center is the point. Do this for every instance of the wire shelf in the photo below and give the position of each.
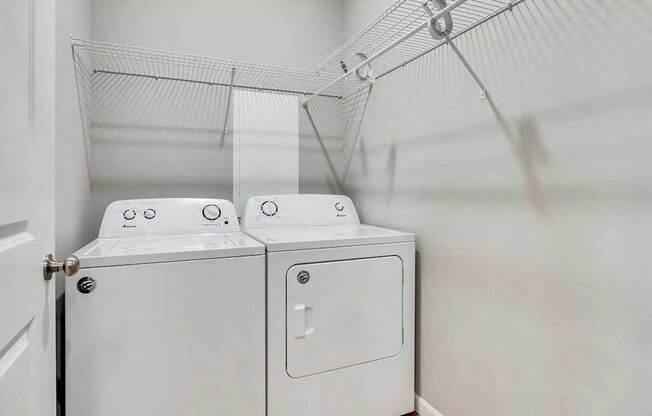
(109, 58)
(126, 90)
(133, 94)
(397, 22)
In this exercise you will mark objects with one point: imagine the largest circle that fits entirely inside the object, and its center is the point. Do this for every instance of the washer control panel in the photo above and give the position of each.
(168, 216)
(299, 210)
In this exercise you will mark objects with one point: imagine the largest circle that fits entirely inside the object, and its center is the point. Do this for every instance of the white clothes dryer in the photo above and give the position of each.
(340, 308)
(166, 315)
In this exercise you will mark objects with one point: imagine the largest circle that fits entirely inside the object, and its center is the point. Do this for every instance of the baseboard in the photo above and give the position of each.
(424, 408)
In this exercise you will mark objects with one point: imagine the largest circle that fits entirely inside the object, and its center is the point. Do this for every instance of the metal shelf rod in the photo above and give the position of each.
(387, 48)
(210, 83)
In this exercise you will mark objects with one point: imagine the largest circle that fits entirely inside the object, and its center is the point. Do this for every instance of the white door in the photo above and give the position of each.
(343, 313)
(27, 368)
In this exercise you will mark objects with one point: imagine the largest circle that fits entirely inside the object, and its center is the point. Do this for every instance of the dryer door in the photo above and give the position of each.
(343, 313)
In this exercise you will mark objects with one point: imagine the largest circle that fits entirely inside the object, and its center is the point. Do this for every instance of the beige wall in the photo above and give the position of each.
(533, 234)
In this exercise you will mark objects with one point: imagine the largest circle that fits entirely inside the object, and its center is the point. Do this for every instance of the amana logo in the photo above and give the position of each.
(86, 284)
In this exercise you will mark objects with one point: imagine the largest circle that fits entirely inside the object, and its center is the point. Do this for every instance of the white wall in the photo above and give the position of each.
(157, 138)
(152, 147)
(73, 216)
(295, 33)
(533, 234)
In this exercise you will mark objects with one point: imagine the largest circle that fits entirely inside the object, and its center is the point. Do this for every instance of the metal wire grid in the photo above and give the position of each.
(108, 58)
(82, 76)
(336, 124)
(339, 120)
(104, 68)
(397, 21)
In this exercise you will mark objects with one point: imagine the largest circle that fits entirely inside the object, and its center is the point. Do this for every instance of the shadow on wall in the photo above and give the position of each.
(333, 127)
(157, 138)
(167, 138)
(523, 81)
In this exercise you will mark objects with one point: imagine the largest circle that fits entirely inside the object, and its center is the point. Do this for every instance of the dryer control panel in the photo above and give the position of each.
(299, 210)
(168, 216)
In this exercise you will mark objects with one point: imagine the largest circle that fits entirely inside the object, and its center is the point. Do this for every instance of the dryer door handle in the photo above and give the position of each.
(301, 321)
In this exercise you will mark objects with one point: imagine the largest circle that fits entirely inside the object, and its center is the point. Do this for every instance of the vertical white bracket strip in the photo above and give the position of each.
(265, 145)
(228, 107)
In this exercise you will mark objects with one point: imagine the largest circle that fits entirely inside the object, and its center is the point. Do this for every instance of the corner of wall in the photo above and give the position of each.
(423, 408)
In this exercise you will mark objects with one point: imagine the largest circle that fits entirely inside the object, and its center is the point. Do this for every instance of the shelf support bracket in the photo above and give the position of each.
(331, 166)
(484, 93)
(228, 107)
(357, 133)
(529, 172)
(437, 30)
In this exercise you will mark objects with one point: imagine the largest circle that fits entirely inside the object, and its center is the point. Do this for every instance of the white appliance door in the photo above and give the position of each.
(343, 313)
(167, 339)
(27, 370)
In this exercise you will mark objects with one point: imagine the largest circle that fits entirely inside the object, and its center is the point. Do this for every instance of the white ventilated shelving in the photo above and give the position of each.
(400, 35)
(97, 58)
(122, 86)
(127, 90)
(401, 18)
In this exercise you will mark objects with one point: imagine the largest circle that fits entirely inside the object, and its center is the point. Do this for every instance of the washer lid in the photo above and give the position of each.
(312, 237)
(157, 249)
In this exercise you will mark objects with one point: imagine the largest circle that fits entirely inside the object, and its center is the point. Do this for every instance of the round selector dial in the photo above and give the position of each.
(339, 206)
(129, 214)
(269, 208)
(149, 213)
(211, 212)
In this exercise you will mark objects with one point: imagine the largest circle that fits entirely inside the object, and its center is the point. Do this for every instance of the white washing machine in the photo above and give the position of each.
(166, 315)
(340, 308)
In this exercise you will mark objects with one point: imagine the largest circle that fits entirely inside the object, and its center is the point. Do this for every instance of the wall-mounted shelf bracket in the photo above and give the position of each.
(439, 27)
(228, 106)
(322, 145)
(404, 38)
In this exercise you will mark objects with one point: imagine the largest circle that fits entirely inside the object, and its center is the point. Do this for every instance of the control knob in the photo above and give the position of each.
(129, 214)
(269, 208)
(149, 213)
(211, 212)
